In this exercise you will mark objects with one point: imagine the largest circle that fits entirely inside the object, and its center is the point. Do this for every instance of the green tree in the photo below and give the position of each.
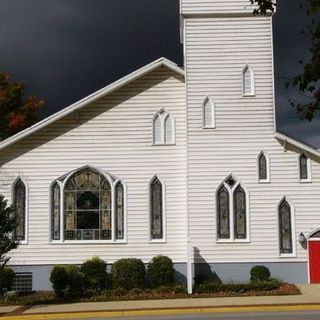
(17, 110)
(308, 82)
(8, 224)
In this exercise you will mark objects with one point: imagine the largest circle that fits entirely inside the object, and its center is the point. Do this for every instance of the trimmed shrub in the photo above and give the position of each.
(128, 274)
(260, 273)
(94, 274)
(67, 281)
(6, 279)
(160, 272)
(214, 287)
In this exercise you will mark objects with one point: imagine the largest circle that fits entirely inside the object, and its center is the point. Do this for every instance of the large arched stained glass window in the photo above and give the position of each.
(223, 213)
(285, 227)
(19, 203)
(156, 200)
(87, 207)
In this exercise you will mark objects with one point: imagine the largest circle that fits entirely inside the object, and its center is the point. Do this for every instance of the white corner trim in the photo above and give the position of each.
(93, 97)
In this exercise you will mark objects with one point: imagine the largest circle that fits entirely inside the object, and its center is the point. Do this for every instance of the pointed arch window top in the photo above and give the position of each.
(208, 113)
(163, 127)
(263, 167)
(20, 201)
(304, 168)
(248, 81)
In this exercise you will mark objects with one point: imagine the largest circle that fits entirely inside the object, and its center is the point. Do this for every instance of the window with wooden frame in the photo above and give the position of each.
(285, 227)
(304, 168)
(232, 212)
(263, 167)
(19, 200)
(248, 85)
(156, 209)
(208, 113)
(163, 125)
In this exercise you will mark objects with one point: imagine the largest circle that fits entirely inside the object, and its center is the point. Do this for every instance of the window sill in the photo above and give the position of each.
(163, 144)
(305, 181)
(158, 241)
(264, 181)
(23, 242)
(208, 128)
(287, 255)
(232, 241)
(251, 95)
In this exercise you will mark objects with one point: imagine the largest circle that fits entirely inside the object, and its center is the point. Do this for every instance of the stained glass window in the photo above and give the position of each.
(223, 213)
(19, 201)
(285, 227)
(303, 167)
(156, 210)
(240, 215)
(87, 207)
(55, 212)
(263, 174)
(119, 206)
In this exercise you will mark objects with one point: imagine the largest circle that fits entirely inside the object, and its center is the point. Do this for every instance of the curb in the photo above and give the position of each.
(163, 312)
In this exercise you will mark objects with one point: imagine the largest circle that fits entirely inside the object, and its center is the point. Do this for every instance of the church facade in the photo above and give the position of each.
(184, 162)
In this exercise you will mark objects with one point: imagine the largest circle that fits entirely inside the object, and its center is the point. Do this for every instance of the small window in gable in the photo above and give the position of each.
(263, 167)
(304, 167)
(163, 128)
(248, 82)
(208, 111)
(20, 207)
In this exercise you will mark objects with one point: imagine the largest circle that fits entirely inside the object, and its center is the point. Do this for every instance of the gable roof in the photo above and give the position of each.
(300, 145)
(162, 62)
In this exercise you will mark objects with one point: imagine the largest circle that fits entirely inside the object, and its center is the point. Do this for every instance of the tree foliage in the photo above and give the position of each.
(8, 223)
(18, 111)
(308, 82)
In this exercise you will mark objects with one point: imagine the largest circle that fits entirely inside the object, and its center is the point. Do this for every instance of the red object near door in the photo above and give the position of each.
(314, 261)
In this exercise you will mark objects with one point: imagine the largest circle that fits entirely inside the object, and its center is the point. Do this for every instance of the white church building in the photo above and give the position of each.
(180, 161)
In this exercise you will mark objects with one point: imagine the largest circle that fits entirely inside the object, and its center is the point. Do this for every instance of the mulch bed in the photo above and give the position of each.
(48, 297)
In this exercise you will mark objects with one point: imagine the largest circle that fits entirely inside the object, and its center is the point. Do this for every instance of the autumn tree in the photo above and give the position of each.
(17, 111)
(308, 82)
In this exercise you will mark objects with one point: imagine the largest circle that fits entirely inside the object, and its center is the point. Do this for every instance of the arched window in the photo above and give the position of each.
(239, 213)
(55, 211)
(248, 81)
(156, 209)
(168, 129)
(223, 213)
(87, 207)
(163, 128)
(263, 168)
(19, 203)
(285, 228)
(304, 165)
(208, 113)
(232, 211)
(119, 208)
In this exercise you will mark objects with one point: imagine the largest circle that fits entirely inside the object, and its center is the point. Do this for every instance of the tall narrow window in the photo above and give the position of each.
(168, 129)
(248, 81)
(285, 228)
(263, 167)
(232, 211)
(304, 167)
(239, 213)
(119, 207)
(223, 213)
(55, 212)
(208, 113)
(163, 128)
(156, 201)
(157, 130)
(19, 201)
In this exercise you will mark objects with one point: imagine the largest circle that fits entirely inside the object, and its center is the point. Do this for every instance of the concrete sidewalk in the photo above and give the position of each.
(310, 296)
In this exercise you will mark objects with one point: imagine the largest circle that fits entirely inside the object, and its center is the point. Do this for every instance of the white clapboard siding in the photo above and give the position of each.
(217, 50)
(114, 134)
(189, 7)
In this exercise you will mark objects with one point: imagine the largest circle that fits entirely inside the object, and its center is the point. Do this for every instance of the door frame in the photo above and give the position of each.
(309, 238)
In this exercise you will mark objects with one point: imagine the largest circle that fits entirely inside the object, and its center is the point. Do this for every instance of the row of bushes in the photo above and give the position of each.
(126, 274)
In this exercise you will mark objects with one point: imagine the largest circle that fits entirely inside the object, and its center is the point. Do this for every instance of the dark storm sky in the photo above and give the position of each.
(66, 49)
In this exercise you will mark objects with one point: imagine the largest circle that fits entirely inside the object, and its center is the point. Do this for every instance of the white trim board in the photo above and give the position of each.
(162, 62)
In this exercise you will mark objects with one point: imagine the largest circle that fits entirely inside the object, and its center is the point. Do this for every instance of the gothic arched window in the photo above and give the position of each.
(19, 204)
(156, 209)
(285, 227)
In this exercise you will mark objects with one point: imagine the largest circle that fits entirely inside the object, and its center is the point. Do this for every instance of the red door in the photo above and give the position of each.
(314, 261)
